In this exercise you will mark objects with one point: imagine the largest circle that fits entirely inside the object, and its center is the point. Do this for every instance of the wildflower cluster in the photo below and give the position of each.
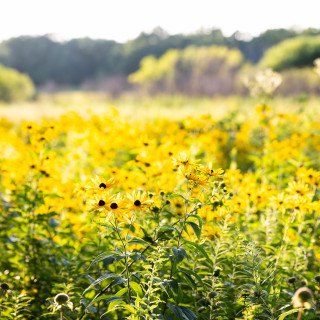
(199, 218)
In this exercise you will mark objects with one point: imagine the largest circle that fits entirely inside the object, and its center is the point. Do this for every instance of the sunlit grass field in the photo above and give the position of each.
(144, 107)
(160, 208)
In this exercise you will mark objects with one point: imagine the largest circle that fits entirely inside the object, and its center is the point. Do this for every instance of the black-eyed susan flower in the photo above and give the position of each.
(100, 201)
(209, 170)
(279, 202)
(101, 184)
(184, 160)
(300, 189)
(138, 200)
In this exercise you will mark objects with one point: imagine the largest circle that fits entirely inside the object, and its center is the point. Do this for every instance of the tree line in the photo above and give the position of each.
(73, 62)
(204, 63)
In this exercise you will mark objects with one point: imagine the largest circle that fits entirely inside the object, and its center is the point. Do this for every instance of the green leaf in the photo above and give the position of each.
(122, 292)
(116, 281)
(171, 195)
(179, 254)
(136, 240)
(129, 308)
(120, 305)
(53, 223)
(52, 196)
(103, 277)
(173, 285)
(182, 312)
(102, 256)
(191, 272)
(167, 229)
(136, 288)
(189, 280)
(187, 313)
(195, 228)
(113, 299)
(197, 248)
(288, 313)
(113, 305)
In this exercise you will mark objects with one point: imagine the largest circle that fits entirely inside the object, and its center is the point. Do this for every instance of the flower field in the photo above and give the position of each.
(108, 217)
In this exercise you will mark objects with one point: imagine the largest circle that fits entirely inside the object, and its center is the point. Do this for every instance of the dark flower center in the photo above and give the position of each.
(113, 205)
(137, 203)
(101, 203)
(102, 185)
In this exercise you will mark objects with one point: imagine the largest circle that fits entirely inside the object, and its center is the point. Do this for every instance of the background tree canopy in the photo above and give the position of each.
(14, 85)
(167, 62)
(194, 70)
(72, 62)
(291, 53)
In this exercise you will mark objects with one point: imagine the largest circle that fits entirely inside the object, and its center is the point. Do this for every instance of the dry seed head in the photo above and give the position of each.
(212, 294)
(302, 298)
(292, 280)
(61, 299)
(4, 286)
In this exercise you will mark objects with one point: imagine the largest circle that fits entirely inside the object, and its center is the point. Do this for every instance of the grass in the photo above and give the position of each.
(141, 107)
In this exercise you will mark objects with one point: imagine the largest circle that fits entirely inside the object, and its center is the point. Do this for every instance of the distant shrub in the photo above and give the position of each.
(193, 71)
(292, 53)
(14, 86)
(297, 81)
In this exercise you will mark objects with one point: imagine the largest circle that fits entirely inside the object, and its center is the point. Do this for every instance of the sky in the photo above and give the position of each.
(122, 20)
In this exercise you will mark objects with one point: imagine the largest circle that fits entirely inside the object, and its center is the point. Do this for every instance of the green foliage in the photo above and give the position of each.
(295, 81)
(194, 70)
(297, 52)
(201, 243)
(77, 61)
(14, 86)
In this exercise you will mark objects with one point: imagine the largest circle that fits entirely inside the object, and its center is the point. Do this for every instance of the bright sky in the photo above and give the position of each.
(121, 20)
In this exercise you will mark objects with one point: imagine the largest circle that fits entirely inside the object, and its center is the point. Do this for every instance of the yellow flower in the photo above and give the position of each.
(194, 177)
(300, 189)
(183, 160)
(138, 200)
(101, 184)
(218, 173)
(309, 176)
(279, 202)
(100, 201)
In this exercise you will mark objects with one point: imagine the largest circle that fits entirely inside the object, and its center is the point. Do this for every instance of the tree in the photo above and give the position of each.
(14, 85)
(298, 52)
(194, 70)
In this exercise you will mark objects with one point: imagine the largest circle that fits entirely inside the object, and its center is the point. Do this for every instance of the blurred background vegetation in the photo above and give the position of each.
(205, 63)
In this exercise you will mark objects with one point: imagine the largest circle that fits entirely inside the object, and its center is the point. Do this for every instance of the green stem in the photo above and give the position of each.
(124, 245)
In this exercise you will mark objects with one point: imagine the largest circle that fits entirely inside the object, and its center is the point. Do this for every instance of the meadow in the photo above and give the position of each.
(164, 208)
